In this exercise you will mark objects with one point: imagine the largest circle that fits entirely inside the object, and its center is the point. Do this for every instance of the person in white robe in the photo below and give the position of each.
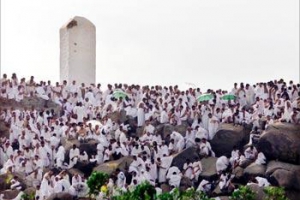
(40, 91)
(262, 182)
(163, 164)
(222, 164)
(74, 156)
(141, 115)
(197, 169)
(188, 169)
(100, 151)
(8, 165)
(45, 188)
(261, 159)
(234, 155)
(164, 118)
(201, 133)
(250, 153)
(189, 138)
(121, 180)
(174, 179)
(205, 148)
(108, 152)
(178, 140)
(80, 111)
(204, 186)
(225, 181)
(60, 157)
(152, 169)
(171, 171)
(213, 124)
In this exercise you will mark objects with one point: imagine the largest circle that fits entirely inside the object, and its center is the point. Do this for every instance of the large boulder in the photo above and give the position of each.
(238, 172)
(9, 194)
(255, 170)
(60, 196)
(285, 174)
(259, 191)
(89, 147)
(4, 129)
(281, 141)
(29, 102)
(227, 137)
(209, 168)
(110, 167)
(181, 129)
(6, 178)
(180, 158)
(292, 194)
(165, 130)
(68, 143)
(85, 167)
(114, 116)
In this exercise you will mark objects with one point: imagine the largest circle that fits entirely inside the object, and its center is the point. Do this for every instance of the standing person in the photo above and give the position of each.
(141, 115)
(213, 124)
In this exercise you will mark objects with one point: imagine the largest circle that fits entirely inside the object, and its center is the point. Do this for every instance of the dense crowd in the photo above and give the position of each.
(35, 140)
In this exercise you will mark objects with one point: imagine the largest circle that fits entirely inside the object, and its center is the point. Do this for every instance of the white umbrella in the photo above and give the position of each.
(94, 123)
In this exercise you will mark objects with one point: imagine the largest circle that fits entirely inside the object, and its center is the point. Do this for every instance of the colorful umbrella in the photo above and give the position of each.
(205, 97)
(228, 97)
(119, 93)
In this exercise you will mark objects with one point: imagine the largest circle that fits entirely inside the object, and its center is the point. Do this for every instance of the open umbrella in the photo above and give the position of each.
(119, 93)
(228, 97)
(205, 97)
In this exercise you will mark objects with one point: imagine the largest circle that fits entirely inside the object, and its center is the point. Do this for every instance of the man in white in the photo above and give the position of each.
(74, 156)
(250, 153)
(261, 159)
(163, 164)
(60, 157)
(189, 137)
(201, 132)
(141, 115)
(175, 179)
(205, 148)
(222, 164)
(213, 124)
(178, 140)
(197, 169)
(188, 169)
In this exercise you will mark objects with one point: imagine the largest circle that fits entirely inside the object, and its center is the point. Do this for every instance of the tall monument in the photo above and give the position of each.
(78, 51)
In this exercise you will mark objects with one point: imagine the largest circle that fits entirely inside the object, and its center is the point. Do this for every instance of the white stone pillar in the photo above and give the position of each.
(78, 51)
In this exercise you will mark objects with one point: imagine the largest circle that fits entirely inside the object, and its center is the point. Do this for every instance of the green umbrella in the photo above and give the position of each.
(228, 97)
(205, 97)
(119, 93)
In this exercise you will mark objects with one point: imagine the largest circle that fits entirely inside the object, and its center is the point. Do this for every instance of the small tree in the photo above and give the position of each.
(95, 181)
(165, 196)
(243, 193)
(144, 191)
(275, 193)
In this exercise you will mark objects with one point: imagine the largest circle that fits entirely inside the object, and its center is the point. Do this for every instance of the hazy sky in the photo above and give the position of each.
(211, 43)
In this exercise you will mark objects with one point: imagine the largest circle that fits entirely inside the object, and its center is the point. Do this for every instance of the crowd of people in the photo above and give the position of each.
(34, 146)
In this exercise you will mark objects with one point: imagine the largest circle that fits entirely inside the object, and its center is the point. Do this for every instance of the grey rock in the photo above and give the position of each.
(285, 174)
(227, 137)
(180, 158)
(110, 167)
(209, 168)
(255, 170)
(281, 141)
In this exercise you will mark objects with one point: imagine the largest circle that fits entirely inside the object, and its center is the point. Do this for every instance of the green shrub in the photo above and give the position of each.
(243, 193)
(95, 181)
(144, 191)
(275, 193)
